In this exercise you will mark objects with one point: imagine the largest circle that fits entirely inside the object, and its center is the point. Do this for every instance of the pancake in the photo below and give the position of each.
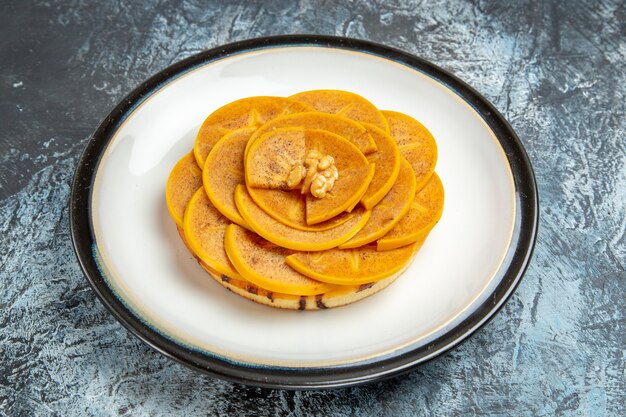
(341, 295)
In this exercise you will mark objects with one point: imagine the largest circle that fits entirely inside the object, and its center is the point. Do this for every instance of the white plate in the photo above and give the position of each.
(131, 252)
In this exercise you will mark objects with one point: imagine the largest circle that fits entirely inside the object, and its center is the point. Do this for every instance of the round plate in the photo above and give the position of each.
(132, 256)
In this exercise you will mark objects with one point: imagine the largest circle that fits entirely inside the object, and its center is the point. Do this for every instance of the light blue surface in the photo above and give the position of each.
(554, 70)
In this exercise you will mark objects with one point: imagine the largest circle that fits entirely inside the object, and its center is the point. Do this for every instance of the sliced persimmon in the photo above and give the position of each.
(273, 155)
(223, 171)
(342, 126)
(184, 180)
(246, 112)
(263, 263)
(289, 208)
(389, 211)
(416, 144)
(352, 266)
(343, 103)
(289, 237)
(341, 295)
(355, 175)
(425, 212)
(387, 160)
(204, 228)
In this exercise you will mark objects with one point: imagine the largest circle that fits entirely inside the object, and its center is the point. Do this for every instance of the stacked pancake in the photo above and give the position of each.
(307, 202)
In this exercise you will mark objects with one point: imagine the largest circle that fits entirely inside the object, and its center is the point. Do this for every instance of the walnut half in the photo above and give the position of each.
(319, 173)
(324, 181)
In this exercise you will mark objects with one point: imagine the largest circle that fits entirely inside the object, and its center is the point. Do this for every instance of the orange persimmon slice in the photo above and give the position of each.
(288, 237)
(389, 211)
(184, 180)
(263, 263)
(417, 145)
(223, 171)
(387, 161)
(425, 212)
(343, 103)
(352, 266)
(204, 228)
(246, 112)
(342, 126)
(273, 155)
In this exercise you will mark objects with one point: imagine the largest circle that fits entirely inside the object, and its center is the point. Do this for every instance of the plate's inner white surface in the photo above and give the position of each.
(152, 271)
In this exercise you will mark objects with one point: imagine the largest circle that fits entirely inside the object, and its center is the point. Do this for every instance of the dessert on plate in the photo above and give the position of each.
(306, 202)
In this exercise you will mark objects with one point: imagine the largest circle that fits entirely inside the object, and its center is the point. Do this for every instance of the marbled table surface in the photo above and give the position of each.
(556, 70)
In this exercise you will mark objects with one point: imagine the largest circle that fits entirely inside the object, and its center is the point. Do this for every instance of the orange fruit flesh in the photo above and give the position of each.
(343, 103)
(342, 295)
(387, 160)
(342, 126)
(184, 180)
(289, 208)
(425, 212)
(288, 237)
(389, 211)
(223, 171)
(306, 251)
(352, 266)
(338, 296)
(263, 263)
(204, 228)
(246, 112)
(345, 195)
(417, 145)
(354, 170)
(273, 155)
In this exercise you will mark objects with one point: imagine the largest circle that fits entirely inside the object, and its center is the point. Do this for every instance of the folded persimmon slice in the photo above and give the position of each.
(425, 212)
(184, 180)
(417, 145)
(387, 161)
(289, 208)
(353, 266)
(272, 157)
(246, 112)
(355, 174)
(288, 237)
(204, 228)
(223, 171)
(275, 155)
(343, 103)
(263, 263)
(342, 126)
(389, 211)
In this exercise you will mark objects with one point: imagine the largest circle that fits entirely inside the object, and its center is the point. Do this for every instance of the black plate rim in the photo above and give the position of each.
(512, 269)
